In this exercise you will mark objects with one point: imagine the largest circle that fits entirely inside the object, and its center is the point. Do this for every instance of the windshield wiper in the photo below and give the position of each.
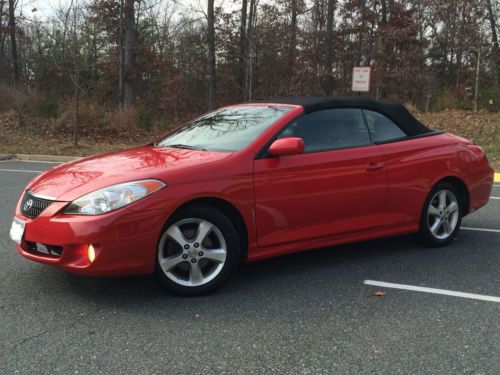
(188, 147)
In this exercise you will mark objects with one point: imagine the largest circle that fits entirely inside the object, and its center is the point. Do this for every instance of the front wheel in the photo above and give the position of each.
(441, 216)
(198, 250)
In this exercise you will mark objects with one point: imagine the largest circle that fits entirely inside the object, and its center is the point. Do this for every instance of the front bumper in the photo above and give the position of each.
(124, 240)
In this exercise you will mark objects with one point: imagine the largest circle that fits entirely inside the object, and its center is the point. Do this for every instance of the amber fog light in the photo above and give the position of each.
(91, 253)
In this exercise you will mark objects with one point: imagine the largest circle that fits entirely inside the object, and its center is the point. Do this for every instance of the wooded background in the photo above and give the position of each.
(154, 62)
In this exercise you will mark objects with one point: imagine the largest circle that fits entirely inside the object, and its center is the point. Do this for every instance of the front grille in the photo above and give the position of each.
(42, 249)
(32, 206)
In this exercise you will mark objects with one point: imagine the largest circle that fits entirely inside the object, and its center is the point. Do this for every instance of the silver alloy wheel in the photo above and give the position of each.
(192, 252)
(443, 214)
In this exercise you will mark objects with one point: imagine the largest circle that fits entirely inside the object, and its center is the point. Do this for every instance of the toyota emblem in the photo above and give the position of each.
(28, 205)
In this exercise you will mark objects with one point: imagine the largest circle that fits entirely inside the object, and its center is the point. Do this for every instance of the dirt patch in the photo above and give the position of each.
(29, 135)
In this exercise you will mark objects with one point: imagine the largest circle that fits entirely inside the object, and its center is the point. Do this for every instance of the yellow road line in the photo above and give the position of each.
(497, 177)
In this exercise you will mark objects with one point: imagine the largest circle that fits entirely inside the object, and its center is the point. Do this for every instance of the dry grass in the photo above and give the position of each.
(483, 128)
(111, 131)
(27, 135)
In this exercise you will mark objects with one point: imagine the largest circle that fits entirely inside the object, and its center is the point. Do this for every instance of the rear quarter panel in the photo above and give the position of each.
(475, 171)
(413, 167)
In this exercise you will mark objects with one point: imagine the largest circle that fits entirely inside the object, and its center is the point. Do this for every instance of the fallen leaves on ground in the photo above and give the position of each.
(31, 135)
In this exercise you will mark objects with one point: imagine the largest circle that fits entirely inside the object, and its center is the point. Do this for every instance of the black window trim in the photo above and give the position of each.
(409, 137)
(264, 152)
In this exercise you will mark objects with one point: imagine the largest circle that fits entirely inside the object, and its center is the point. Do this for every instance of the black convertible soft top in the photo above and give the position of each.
(393, 110)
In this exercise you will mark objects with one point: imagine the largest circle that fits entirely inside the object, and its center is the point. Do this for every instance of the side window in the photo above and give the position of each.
(381, 128)
(330, 129)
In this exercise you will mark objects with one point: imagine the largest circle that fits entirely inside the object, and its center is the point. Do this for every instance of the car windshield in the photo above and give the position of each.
(227, 129)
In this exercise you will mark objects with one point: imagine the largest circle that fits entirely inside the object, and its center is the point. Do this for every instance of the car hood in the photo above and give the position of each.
(69, 181)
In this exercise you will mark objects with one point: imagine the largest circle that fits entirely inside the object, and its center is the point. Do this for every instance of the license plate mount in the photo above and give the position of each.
(17, 230)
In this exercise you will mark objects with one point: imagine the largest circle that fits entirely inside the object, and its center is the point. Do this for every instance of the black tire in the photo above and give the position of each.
(232, 242)
(425, 235)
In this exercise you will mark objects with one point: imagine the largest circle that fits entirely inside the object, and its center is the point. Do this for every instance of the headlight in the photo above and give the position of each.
(113, 197)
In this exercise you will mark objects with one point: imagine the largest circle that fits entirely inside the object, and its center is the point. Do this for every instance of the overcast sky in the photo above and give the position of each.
(45, 7)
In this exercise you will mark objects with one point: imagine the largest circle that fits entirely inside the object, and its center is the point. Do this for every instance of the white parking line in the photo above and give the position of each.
(494, 197)
(482, 229)
(19, 170)
(444, 292)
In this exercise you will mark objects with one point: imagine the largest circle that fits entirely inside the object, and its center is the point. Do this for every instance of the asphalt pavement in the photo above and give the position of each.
(305, 313)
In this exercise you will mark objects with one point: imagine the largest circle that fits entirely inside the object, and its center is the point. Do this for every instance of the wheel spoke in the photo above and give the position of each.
(195, 274)
(203, 230)
(453, 207)
(175, 233)
(434, 211)
(442, 199)
(171, 262)
(447, 227)
(216, 255)
(435, 227)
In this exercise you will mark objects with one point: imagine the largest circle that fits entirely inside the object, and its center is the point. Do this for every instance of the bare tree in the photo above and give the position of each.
(361, 31)
(2, 34)
(13, 41)
(172, 60)
(249, 48)
(129, 59)
(327, 81)
(121, 67)
(460, 46)
(385, 48)
(211, 55)
(293, 37)
(243, 49)
(476, 86)
(494, 37)
(76, 74)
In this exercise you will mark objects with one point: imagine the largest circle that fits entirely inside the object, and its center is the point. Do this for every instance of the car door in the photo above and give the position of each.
(337, 186)
(410, 164)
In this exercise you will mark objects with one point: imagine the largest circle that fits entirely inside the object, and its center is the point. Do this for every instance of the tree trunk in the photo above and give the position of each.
(327, 81)
(76, 80)
(121, 67)
(293, 38)
(384, 12)
(478, 66)
(385, 49)
(2, 35)
(494, 37)
(248, 58)
(361, 31)
(76, 105)
(129, 69)
(459, 53)
(243, 50)
(13, 41)
(212, 80)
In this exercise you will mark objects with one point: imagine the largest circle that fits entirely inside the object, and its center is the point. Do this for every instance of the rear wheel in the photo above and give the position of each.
(198, 250)
(441, 216)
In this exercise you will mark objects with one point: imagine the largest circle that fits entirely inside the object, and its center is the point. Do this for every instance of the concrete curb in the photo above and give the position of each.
(6, 156)
(53, 158)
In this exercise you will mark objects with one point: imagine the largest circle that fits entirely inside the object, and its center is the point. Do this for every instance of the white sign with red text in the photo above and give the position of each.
(361, 79)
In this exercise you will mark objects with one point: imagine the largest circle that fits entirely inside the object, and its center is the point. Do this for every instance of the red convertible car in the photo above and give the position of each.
(252, 181)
